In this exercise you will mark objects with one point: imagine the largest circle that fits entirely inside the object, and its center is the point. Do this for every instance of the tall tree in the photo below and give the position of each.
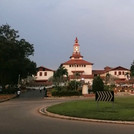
(14, 56)
(59, 75)
(132, 69)
(98, 84)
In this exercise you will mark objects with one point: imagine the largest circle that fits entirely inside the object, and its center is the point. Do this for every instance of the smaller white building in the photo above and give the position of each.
(43, 74)
(119, 74)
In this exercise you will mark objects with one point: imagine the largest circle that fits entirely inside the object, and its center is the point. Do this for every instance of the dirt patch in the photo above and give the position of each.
(6, 96)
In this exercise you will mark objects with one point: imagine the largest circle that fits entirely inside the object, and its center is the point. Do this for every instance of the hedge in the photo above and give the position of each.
(60, 93)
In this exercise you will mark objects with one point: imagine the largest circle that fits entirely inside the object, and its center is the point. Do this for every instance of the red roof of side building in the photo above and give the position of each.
(119, 68)
(98, 71)
(78, 62)
(41, 68)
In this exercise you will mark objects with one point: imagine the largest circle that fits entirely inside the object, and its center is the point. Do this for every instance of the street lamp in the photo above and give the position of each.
(75, 76)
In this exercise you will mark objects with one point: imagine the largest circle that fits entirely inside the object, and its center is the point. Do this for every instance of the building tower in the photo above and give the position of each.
(76, 64)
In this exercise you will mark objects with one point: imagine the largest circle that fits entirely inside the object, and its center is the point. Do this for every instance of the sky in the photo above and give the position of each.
(104, 28)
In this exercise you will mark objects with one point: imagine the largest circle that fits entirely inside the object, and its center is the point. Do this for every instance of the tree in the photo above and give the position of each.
(132, 69)
(73, 85)
(98, 84)
(110, 79)
(107, 78)
(77, 75)
(14, 57)
(60, 75)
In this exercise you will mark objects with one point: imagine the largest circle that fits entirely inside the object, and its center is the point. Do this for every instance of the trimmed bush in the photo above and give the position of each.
(65, 92)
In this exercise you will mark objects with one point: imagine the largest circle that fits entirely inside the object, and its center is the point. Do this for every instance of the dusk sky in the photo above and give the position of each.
(105, 29)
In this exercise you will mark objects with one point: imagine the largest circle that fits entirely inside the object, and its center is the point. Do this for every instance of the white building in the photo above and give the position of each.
(76, 65)
(43, 74)
(120, 74)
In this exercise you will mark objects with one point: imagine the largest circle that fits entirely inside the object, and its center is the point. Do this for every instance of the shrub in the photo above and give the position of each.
(73, 85)
(65, 92)
(98, 84)
(10, 90)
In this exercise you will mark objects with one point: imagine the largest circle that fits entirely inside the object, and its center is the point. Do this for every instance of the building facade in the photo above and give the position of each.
(81, 70)
(118, 74)
(43, 74)
(78, 69)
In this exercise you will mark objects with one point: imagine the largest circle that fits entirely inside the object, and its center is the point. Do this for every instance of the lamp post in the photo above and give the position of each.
(75, 76)
(18, 80)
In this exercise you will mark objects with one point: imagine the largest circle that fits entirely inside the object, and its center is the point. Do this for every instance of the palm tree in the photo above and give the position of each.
(107, 78)
(60, 74)
(127, 74)
(77, 75)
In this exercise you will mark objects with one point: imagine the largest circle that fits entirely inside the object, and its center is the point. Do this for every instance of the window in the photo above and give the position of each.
(115, 73)
(119, 73)
(123, 73)
(45, 74)
(40, 73)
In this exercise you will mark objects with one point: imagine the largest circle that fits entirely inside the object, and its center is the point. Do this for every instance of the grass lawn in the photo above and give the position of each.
(123, 109)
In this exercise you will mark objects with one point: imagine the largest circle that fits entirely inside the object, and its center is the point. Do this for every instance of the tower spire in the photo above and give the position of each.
(76, 40)
(76, 50)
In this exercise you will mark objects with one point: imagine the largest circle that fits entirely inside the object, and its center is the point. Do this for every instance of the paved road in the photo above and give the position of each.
(20, 116)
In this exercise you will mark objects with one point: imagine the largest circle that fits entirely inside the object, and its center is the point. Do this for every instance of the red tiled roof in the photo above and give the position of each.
(107, 68)
(78, 62)
(120, 81)
(76, 55)
(41, 68)
(98, 71)
(119, 68)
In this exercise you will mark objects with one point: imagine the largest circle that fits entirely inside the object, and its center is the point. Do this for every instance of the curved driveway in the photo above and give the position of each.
(20, 116)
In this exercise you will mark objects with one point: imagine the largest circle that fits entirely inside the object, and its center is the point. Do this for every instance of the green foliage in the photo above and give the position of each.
(65, 92)
(59, 74)
(73, 85)
(14, 55)
(98, 84)
(109, 87)
(132, 69)
(9, 90)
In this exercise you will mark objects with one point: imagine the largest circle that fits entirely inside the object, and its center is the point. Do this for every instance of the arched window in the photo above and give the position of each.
(119, 73)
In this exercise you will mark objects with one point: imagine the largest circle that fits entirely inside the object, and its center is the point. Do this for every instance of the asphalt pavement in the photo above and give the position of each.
(21, 116)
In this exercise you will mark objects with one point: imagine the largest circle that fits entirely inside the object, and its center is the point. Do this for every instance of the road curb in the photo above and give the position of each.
(44, 111)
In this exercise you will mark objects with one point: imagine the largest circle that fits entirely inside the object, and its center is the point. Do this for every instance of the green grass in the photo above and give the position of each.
(123, 109)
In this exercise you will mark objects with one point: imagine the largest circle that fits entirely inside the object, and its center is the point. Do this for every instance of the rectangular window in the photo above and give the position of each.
(115, 73)
(123, 73)
(45, 74)
(40, 73)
